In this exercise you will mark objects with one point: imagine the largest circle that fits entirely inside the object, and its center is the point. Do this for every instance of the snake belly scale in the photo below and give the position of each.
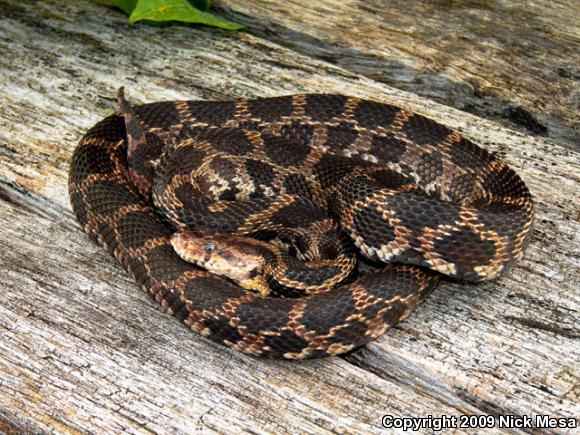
(418, 201)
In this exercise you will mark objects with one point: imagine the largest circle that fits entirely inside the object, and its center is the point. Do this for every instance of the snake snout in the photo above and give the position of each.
(234, 257)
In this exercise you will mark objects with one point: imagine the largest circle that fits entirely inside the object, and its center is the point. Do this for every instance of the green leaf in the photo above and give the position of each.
(202, 5)
(177, 10)
(126, 6)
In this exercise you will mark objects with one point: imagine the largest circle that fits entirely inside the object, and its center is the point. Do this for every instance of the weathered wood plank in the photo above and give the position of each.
(525, 326)
(81, 349)
(512, 61)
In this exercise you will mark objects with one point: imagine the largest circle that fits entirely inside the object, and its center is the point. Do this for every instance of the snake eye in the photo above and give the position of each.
(210, 247)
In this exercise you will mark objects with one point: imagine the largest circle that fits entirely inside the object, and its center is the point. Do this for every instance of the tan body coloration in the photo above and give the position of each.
(235, 257)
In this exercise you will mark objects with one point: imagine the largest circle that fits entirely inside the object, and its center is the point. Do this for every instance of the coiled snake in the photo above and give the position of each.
(401, 187)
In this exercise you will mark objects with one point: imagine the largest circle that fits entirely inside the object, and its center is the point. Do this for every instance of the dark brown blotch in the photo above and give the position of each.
(465, 153)
(173, 300)
(90, 159)
(371, 115)
(138, 270)
(507, 220)
(201, 291)
(370, 225)
(371, 311)
(352, 333)
(78, 205)
(424, 131)
(256, 317)
(261, 173)
(231, 141)
(330, 169)
(183, 160)
(298, 184)
(221, 330)
(214, 113)
(309, 275)
(270, 109)
(505, 182)
(466, 249)
(417, 211)
(358, 188)
(108, 235)
(164, 264)
(285, 151)
(387, 148)
(136, 228)
(324, 107)
(161, 115)
(106, 197)
(341, 136)
(390, 282)
(299, 213)
(286, 342)
(318, 318)
(110, 129)
(297, 132)
(388, 179)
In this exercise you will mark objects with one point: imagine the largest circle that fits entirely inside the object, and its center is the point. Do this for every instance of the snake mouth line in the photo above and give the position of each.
(234, 257)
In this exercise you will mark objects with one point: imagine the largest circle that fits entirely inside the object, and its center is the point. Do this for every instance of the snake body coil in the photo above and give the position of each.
(402, 187)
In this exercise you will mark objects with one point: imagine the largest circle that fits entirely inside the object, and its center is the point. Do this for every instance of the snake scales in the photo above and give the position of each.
(405, 189)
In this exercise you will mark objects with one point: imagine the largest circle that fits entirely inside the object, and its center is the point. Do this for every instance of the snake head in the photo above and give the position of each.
(238, 258)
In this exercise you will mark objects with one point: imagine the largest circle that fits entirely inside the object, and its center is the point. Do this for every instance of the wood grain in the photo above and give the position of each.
(82, 350)
(512, 61)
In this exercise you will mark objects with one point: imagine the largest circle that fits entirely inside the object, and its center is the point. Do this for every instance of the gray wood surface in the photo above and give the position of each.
(513, 61)
(82, 350)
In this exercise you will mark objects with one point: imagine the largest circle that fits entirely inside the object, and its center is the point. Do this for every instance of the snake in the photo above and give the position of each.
(196, 199)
